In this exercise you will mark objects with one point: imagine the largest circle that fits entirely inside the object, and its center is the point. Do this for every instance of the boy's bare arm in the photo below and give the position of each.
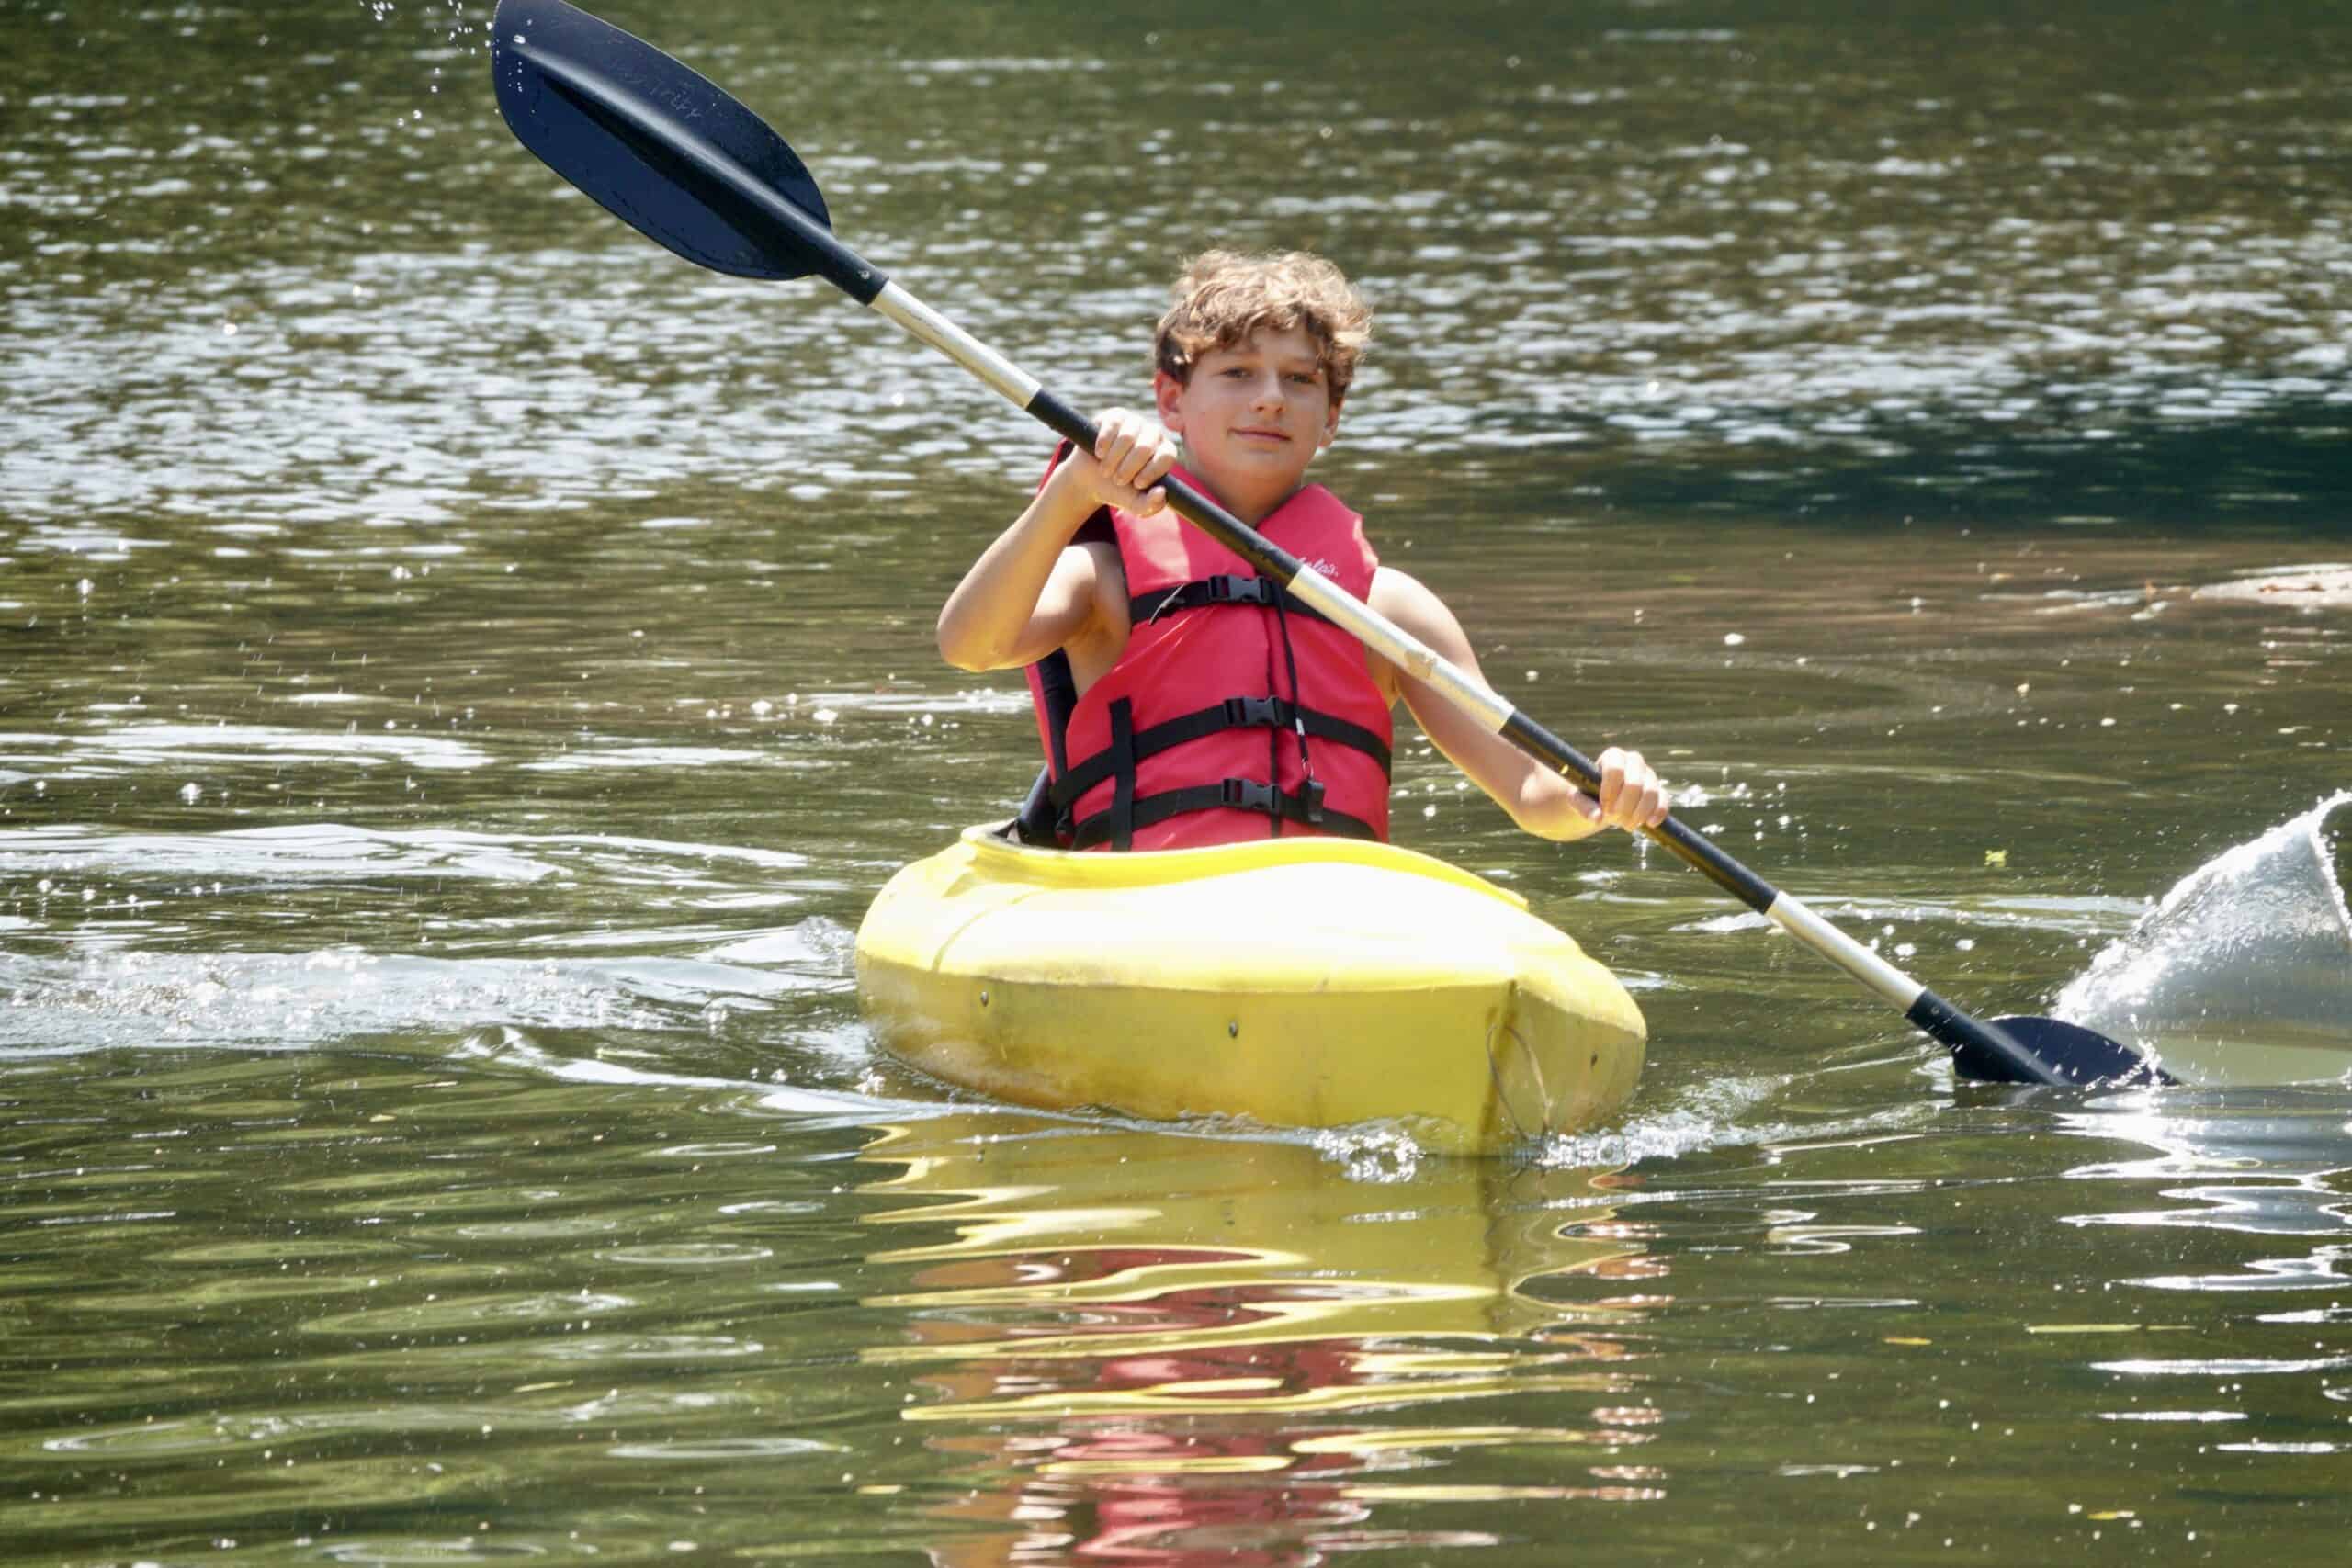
(1029, 593)
(1539, 799)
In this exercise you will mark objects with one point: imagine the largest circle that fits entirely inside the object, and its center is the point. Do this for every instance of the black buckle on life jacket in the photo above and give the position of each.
(1248, 713)
(1247, 794)
(1229, 589)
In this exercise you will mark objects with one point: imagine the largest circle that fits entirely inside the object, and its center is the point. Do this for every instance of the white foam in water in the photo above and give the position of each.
(113, 998)
(1713, 1116)
(2243, 972)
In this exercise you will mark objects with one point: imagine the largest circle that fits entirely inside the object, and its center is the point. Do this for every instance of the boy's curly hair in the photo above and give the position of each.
(1227, 297)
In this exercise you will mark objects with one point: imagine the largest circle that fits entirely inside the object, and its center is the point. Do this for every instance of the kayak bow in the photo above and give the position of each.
(1307, 982)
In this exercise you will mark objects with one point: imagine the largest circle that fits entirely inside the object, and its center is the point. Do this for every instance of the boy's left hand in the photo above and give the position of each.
(1629, 795)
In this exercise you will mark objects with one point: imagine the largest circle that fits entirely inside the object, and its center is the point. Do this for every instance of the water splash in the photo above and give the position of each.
(1723, 1113)
(2242, 973)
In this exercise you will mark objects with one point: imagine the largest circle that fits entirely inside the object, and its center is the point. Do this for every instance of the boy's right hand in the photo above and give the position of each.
(1132, 454)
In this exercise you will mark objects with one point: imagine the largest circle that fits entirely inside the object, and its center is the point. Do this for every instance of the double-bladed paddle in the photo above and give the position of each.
(687, 165)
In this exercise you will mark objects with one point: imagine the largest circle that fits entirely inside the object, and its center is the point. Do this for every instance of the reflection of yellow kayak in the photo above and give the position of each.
(1136, 1347)
(1302, 981)
(1128, 1272)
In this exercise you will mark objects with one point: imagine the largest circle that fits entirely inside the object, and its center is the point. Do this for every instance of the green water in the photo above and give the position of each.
(451, 724)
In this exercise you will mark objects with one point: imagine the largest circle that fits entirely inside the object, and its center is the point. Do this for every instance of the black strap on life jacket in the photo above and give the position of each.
(1234, 713)
(1229, 588)
(1040, 821)
(1129, 811)
(1304, 805)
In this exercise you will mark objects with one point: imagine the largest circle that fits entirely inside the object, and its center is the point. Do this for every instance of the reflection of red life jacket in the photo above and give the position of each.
(1235, 712)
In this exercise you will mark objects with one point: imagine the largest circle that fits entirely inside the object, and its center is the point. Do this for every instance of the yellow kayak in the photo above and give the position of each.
(1303, 981)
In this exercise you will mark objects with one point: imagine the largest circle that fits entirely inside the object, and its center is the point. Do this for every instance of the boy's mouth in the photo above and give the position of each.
(1257, 433)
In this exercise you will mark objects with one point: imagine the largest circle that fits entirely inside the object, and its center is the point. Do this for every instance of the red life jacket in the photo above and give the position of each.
(1235, 711)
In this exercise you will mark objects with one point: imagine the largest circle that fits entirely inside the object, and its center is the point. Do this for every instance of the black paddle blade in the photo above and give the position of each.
(2073, 1053)
(654, 143)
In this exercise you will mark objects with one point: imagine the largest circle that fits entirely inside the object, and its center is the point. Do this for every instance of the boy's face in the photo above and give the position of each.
(1254, 414)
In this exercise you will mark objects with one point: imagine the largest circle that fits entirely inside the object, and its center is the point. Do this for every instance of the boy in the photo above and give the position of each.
(1183, 700)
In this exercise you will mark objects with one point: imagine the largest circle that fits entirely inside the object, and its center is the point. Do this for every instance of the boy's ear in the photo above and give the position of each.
(1165, 391)
(1331, 425)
